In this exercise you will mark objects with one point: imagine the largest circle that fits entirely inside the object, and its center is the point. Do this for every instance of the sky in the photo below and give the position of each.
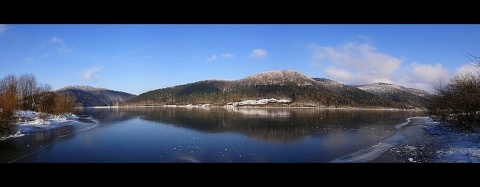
(136, 58)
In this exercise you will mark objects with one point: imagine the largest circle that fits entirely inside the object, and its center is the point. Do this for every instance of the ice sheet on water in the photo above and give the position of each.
(375, 151)
(17, 134)
(455, 145)
(449, 146)
(30, 122)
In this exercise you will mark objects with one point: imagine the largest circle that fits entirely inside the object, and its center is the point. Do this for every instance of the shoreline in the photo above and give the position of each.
(260, 107)
(403, 152)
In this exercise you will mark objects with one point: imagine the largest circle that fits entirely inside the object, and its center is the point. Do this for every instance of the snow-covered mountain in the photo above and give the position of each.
(353, 93)
(91, 96)
(277, 77)
(81, 87)
(386, 88)
(328, 82)
(398, 93)
(301, 89)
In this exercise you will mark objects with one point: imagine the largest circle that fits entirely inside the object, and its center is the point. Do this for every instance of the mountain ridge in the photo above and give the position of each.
(301, 89)
(88, 96)
(276, 77)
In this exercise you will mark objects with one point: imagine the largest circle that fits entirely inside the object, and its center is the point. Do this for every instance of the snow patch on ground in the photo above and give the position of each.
(455, 145)
(16, 135)
(440, 143)
(29, 121)
(450, 145)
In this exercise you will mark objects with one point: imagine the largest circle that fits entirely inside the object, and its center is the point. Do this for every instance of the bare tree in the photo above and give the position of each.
(63, 104)
(9, 100)
(26, 93)
(42, 88)
(473, 58)
(458, 101)
(46, 102)
(27, 86)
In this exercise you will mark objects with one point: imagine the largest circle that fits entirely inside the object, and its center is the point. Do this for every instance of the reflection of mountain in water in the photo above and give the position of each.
(285, 125)
(107, 115)
(261, 112)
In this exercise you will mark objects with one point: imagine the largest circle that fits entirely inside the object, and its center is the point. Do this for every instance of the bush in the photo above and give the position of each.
(458, 102)
(24, 93)
(9, 100)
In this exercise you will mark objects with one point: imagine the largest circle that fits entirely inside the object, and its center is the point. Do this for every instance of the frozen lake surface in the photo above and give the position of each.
(233, 135)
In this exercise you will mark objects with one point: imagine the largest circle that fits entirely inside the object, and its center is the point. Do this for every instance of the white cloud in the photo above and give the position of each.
(228, 55)
(3, 28)
(356, 63)
(468, 68)
(212, 58)
(259, 53)
(424, 76)
(338, 73)
(89, 74)
(427, 77)
(429, 73)
(56, 40)
(215, 57)
(62, 46)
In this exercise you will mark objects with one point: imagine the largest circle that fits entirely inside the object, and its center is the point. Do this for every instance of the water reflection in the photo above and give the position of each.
(181, 134)
(36, 138)
(261, 112)
(277, 125)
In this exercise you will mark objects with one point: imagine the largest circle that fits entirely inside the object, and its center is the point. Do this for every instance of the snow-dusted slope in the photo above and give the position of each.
(92, 96)
(411, 96)
(81, 87)
(386, 88)
(277, 77)
(302, 89)
(328, 82)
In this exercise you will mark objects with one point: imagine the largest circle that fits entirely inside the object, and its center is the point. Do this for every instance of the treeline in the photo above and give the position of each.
(103, 97)
(222, 92)
(458, 101)
(25, 93)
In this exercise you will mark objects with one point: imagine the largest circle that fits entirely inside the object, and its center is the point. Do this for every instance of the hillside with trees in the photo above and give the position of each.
(414, 98)
(87, 96)
(281, 84)
(362, 97)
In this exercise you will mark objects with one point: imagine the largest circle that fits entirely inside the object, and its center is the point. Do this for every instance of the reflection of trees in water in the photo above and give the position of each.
(267, 124)
(108, 115)
(261, 112)
(7, 128)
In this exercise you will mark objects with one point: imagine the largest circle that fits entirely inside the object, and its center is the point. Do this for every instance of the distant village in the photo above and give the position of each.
(242, 103)
(259, 102)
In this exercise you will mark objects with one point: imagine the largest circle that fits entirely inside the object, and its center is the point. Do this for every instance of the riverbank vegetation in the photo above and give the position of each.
(25, 93)
(458, 101)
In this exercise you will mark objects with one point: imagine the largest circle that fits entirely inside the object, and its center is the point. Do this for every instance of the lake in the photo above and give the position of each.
(206, 135)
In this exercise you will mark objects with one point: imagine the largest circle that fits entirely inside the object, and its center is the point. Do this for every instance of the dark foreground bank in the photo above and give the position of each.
(433, 142)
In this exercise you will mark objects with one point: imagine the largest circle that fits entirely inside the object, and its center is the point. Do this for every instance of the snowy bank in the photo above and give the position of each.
(31, 121)
(422, 140)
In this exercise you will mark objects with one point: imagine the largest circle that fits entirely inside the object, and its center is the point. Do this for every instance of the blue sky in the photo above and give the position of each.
(136, 58)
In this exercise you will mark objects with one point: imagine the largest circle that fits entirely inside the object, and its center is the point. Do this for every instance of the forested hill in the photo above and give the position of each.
(397, 93)
(290, 85)
(86, 96)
